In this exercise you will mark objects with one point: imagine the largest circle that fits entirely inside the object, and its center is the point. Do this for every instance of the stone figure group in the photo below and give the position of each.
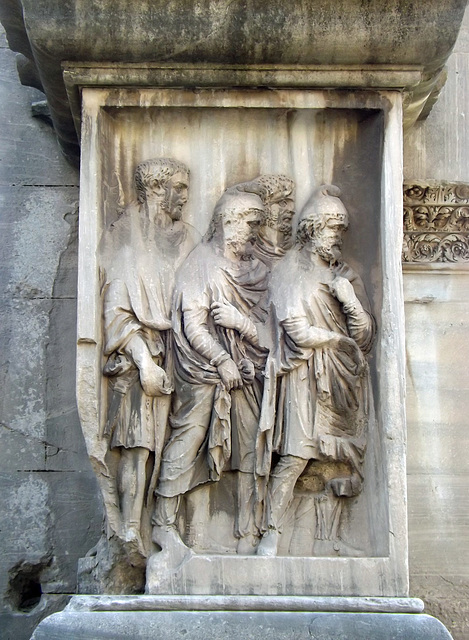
(243, 353)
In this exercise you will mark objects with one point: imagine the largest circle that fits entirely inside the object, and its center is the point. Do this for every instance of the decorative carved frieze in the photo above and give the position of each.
(436, 222)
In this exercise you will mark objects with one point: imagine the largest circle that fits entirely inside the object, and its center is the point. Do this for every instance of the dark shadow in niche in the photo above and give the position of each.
(24, 585)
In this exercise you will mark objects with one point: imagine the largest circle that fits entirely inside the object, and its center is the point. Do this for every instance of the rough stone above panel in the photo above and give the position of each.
(352, 34)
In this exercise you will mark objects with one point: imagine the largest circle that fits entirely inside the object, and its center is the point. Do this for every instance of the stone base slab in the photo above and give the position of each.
(279, 576)
(370, 604)
(241, 625)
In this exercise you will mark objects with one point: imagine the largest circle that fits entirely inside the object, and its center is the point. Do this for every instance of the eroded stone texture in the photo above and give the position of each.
(243, 625)
(374, 36)
(437, 327)
(47, 491)
(437, 320)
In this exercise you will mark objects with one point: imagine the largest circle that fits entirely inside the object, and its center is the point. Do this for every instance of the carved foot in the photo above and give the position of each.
(247, 545)
(168, 538)
(269, 543)
(164, 564)
(346, 487)
(133, 545)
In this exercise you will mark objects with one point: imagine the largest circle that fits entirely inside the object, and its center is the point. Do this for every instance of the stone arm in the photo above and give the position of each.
(201, 340)
(125, 334)
(120, 322)
(360, 323)
(226, 315)
(306, 336)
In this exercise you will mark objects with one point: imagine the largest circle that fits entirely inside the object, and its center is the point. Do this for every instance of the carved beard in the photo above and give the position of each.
(329, 250)
(164, 208)
(243, 250)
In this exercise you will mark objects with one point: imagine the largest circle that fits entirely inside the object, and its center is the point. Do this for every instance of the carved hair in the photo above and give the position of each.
(324, 205)
(234, 203)
(270, 188)
(159, 170)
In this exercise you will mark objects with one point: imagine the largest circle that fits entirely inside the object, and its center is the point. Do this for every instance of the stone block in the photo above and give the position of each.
(243, 625)
(30, 154)
(438, 524)
(19, 624)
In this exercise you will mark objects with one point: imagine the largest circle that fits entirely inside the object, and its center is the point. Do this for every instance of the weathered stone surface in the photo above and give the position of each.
(19, 625)
(437, 322)
(211, 132)
(44, 474)
(232, 33)
(437, 149)
(30, 155)
(245, 603)
(242, 625)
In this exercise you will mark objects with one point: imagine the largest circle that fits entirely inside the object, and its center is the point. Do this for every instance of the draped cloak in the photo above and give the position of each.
(211, 427)
(316, 401)
(139, 260)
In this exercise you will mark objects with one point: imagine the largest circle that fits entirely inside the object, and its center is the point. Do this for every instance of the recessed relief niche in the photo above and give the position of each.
(237, 303)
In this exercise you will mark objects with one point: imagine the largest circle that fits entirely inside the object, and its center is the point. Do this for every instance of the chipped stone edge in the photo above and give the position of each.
(245, 603)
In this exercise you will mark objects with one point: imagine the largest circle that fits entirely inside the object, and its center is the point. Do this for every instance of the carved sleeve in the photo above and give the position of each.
(361, 325)
(120, 323)
(304, 335)
(199, 336)
(248, 330)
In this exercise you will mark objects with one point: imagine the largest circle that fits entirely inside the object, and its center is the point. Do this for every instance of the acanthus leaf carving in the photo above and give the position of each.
(436, 222)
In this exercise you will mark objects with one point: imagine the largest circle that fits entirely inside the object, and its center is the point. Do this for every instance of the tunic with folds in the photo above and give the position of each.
(213, 429)
(139, 261)
(316, 404)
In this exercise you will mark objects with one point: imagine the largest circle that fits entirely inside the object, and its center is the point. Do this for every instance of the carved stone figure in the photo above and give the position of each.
(277, 193)
(318, 410)
(219, 298)
(142, 250)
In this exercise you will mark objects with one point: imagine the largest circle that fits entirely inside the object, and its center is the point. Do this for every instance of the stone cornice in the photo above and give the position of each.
(348, 36)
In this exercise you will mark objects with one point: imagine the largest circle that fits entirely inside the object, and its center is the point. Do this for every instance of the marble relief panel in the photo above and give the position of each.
(237, 314)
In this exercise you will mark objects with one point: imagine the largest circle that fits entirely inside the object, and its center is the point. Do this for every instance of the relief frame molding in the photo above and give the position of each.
(380, 576)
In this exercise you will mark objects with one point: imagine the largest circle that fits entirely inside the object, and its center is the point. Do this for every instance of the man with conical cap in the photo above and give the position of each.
(140, 254)
(218, 363)
(316, 402)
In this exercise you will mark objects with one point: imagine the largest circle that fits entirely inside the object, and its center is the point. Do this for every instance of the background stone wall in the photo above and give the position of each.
(51, 511)
(437, 346)
(49, 504)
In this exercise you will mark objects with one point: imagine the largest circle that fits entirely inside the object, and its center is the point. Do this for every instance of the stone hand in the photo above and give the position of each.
(343, 290)
(350, 347)
(230, 376)
(154, 380)
(226, 315)
(343, 343)
(247, 370)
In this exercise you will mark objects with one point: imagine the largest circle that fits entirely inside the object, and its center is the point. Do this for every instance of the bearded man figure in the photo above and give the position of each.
(274, 239)
(140, 254)
(219, 296)
(318, 405)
